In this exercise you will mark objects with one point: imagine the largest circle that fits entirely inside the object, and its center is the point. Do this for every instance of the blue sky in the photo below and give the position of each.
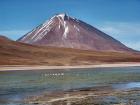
(119, 18)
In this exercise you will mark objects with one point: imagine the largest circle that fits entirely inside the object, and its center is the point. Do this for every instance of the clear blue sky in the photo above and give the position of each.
(119, 18)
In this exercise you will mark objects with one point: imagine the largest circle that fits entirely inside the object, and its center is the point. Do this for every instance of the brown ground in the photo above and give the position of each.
(15, 53)
(89, 96)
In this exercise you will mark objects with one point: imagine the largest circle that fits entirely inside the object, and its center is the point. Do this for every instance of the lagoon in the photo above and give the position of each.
(17, 85)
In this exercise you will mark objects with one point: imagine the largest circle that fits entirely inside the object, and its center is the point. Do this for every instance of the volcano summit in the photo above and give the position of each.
(64, 31)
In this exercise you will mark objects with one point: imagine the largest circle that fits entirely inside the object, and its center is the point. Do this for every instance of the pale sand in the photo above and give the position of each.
(38, 67)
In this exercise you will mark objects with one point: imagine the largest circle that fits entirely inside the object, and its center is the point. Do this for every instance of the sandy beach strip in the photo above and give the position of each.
(38, 67)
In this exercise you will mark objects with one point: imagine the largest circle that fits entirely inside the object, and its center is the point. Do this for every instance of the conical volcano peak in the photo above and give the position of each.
(64, 31)
(62, 16)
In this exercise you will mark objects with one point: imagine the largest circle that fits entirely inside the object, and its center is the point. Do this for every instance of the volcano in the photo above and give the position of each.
(64, 31)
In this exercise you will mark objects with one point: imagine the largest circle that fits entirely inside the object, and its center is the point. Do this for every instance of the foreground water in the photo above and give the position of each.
(16, 85)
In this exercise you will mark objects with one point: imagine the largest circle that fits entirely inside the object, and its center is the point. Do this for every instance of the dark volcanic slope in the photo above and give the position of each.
(64, 31)
(16, 53)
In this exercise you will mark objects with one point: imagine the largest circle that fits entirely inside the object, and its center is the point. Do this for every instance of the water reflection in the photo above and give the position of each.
(125, 86)
(19, 84)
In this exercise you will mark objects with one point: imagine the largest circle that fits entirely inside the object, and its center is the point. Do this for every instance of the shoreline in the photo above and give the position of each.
(99, 95)
(38, 67)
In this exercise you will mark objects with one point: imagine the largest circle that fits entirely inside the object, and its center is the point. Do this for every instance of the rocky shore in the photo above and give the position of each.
(87, 96)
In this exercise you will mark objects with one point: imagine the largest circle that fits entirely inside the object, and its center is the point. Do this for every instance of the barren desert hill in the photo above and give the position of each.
(16, 53)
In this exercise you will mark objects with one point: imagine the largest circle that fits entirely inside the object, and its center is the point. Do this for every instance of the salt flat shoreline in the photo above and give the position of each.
(38, 67)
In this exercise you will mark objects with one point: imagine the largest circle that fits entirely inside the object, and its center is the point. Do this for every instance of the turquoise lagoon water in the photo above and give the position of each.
(16, 85)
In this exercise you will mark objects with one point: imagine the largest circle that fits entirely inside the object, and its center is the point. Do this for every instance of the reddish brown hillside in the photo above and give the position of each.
(15, 53)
